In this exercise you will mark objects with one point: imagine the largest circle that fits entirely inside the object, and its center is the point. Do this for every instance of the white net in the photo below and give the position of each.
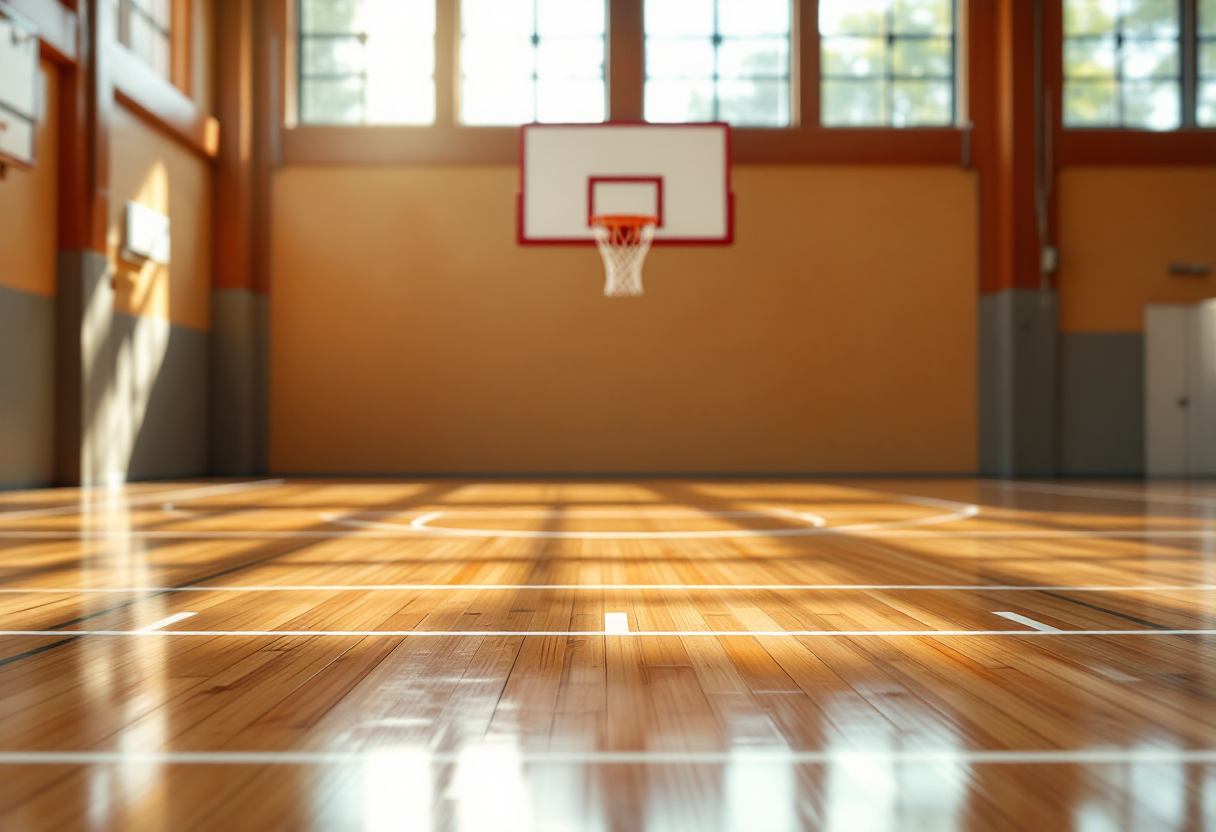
(623, 243)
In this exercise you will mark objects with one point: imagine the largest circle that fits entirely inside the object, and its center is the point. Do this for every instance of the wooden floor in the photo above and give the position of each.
(855, 656)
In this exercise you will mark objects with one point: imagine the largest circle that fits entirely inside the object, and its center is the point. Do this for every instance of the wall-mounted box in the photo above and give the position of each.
(147, 235)
(18, 90)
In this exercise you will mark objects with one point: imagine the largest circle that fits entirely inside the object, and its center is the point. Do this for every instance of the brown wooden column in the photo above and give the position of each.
(626, 65)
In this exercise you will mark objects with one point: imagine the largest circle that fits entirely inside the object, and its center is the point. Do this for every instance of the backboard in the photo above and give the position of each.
(679, 173)
(18, 90)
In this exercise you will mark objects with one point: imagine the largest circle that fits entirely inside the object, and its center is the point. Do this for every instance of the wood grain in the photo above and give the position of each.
(573, 729)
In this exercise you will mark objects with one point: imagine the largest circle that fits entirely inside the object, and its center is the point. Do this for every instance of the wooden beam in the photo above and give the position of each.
(233, 173)
(626, 65)
(141, 90)
(57, 25)
(181, 46)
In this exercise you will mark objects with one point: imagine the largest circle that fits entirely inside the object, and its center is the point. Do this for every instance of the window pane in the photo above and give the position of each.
(923, 57)
(490, 57)
(532, 60)
(1151, 18)
(679, 101)
(679, 58)
(1091, 104)
(754, 103)
(1152, 105)
(1207, 58)
(853, 103)
(571, 58)
(754, 58)
(754, 17)
(1207, 104)
(910, 70)
(680, 17)
(569, 18)
(921, 104)
(1150, 59)
(1089, 58)
(328, 16)
(732, 56)
(922, 17)
(853, 17)
(367, 61)
(1125, 68)
(1207, 17)
(495, 101)
(331, 101)
(342, 55)
(862, 57)
(500, 18)
(577, 100)
(1089, 17)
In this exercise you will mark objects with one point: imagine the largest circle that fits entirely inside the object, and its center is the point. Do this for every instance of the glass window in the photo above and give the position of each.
(144, 28)
(718, 60)
(367, 62)
(1122, 64)
(887, 63)
(1205, 114)
(532, 60)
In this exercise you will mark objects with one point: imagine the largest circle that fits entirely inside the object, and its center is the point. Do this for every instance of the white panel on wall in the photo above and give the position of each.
(1202, 365)
(1166, 390)
(1180, 389)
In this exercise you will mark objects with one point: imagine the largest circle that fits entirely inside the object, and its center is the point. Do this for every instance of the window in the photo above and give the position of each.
(532, 60)
(144, 28)
(367, 62)
(887, 63)
(1205, 114)
(1122, 64)
(718, 60)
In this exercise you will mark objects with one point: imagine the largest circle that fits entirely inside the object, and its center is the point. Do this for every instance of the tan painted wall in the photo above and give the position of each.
(410, 333)
(152, 169)
(1120, 228)
(28, 200)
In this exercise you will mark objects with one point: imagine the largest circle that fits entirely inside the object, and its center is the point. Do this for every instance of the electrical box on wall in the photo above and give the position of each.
(147, 235)
(18, 90)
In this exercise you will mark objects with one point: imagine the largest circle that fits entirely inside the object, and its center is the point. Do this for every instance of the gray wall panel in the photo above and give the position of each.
(27, 389)
(1018, 353)
(171, 440)
(1102, 404)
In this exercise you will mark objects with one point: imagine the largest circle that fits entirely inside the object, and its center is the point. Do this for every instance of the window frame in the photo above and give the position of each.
(448, 141)
(1188, 144)
(178, 38)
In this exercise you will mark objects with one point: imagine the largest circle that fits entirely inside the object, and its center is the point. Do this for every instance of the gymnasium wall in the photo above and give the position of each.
(1120, 229)
(147, 396)
(28, 224)
(409, 332)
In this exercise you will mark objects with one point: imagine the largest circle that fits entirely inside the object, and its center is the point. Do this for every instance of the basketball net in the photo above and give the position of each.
(623, 241)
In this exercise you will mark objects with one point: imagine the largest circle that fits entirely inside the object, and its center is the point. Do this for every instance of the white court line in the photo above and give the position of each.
(599, 587)
(616, 624)
(165, 622)
(816, 525)
(1107, 493)
(748, 756)
(578, 633)
(1029, 622)
(391, 531)
(142, 499)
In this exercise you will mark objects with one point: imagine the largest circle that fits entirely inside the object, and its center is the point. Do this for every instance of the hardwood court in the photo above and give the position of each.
(654, 655)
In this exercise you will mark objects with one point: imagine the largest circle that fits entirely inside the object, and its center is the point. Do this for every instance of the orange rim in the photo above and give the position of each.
(619, 221)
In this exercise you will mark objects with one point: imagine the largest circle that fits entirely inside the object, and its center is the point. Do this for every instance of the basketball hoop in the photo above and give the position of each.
(623, 240)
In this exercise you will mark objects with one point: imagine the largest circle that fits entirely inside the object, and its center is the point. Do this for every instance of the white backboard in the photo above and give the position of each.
(679, 173)
(18, 90)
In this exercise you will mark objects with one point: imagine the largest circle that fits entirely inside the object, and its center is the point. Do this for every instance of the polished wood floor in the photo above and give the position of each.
(831, 655)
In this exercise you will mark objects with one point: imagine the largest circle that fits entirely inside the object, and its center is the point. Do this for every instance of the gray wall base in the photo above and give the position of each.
(27, 389)
(238, 382)
(1102, 404)
(1017, 366)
